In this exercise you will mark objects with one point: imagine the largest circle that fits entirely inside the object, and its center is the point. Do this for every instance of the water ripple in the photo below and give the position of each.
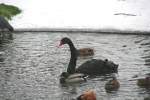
(30, 65)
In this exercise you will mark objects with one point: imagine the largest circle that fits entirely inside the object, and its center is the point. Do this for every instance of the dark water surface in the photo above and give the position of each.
(30, 66)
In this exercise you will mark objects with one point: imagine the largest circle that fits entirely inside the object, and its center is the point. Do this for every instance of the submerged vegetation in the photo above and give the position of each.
(8, 11)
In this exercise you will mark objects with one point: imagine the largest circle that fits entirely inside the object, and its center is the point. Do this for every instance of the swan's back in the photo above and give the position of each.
(97, 66)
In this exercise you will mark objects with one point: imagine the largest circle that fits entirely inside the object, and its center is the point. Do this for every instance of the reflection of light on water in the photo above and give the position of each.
(82, 14)
(32, 65)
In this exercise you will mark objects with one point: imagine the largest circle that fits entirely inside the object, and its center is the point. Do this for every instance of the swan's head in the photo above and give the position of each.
(64, 40)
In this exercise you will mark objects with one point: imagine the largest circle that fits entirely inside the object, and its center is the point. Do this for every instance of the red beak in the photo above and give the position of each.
(60, 44)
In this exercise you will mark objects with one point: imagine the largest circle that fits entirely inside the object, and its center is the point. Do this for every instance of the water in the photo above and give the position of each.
(30, 65)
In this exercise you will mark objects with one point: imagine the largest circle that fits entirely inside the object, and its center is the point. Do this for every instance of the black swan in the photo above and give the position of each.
(91, 67)
(72, 78)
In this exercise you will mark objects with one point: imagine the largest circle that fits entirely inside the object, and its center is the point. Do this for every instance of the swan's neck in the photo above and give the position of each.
(72, 63)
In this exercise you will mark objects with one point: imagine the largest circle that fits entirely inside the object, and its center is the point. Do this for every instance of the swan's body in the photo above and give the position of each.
(91, 67)
(97, 66)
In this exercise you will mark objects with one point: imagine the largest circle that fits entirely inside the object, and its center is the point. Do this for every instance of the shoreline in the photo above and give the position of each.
(80, 30)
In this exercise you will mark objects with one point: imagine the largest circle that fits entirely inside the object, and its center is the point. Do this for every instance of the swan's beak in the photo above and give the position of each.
(60, 44)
